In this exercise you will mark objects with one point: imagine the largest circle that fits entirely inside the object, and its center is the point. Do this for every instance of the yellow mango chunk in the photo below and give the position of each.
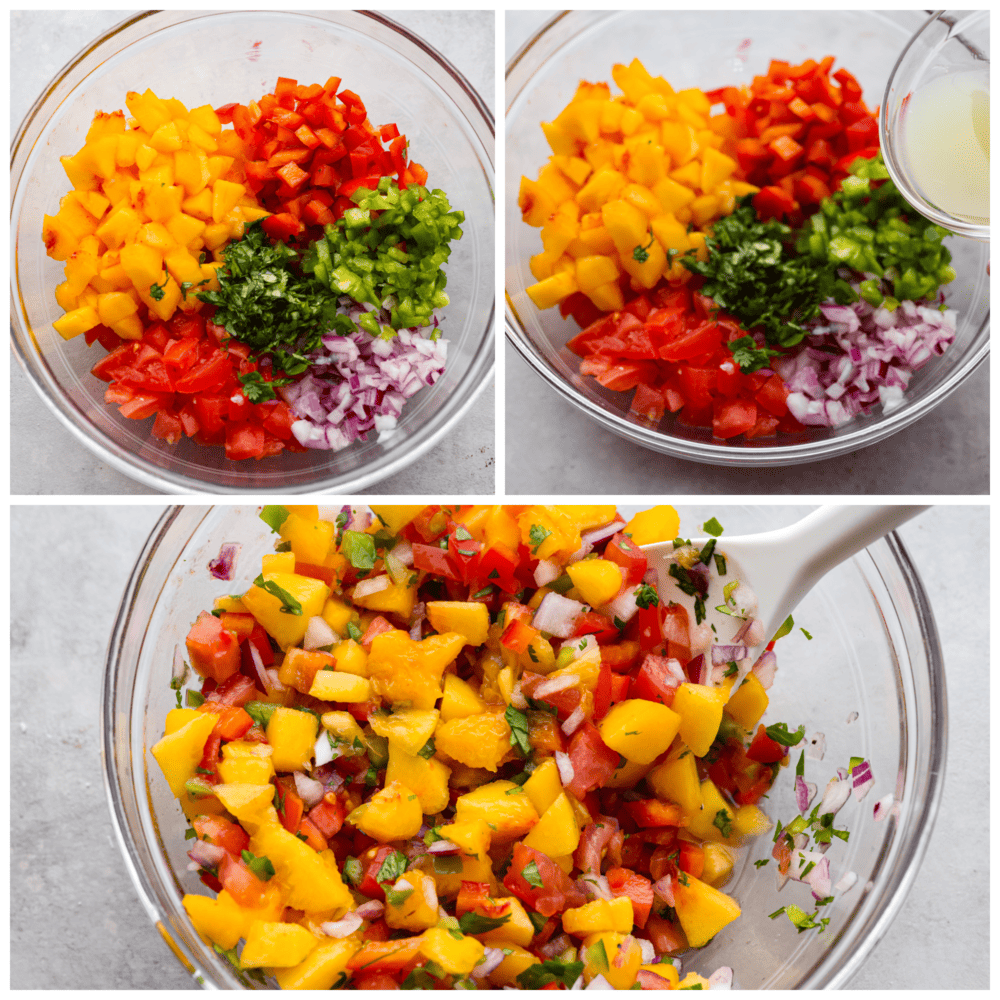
(277, 945)
(292, 735)
(460, 699)
(748, 702)
(392, 813)
(408, 728)
(180, 752)
(476, 740)
(456, 957)
(502, 804)
(598, 580)
(470, 619)
(336, 685)
(321, 968)
(639, 730)
(426, 778)
(658, 524)
(702, 910)
(599, 915)
(557, 832)
(413, 905)
(544, 786)
(700, 710)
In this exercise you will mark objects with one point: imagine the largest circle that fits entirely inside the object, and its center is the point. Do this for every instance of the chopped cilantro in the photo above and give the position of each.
(780, 734)
(536, 536)
(289, 605)
(712, 527)
(473, 923)
(518, 723)
(552, 970)
(261, 867)
(647, 597)
(531, 875)
(723, 822)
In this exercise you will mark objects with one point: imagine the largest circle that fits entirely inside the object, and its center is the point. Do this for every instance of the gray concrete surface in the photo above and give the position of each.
(76, 920)
(45, 458)
(947, 452)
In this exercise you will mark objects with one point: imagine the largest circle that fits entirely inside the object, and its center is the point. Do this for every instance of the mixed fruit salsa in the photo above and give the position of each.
(480, 747)
(274, 285)
(753, 271)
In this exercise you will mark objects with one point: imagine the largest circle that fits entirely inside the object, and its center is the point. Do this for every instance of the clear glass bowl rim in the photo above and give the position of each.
(698, 451)
(843, 960)
(134, 466)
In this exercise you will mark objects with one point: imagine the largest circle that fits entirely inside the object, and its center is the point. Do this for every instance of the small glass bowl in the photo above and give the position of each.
(950, 42)
(874, 652)
(707, 49)
(215, 58)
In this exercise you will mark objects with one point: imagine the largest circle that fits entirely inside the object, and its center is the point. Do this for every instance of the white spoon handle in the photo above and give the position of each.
(792, 560)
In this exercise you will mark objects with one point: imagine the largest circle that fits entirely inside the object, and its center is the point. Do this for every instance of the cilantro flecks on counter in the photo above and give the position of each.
(187, 244)
(409, 762)
(736, 257)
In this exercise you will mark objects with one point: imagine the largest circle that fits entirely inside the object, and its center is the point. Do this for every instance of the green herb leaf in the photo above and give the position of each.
(289, 605)
(536, 536)
(261, 867)
(532, 876)
(723, 822)
(392, 867)
(518, 723)
(647, 597)
(780, 734)
(359, 548)
(257, 390)
(712, 527)
(473, 923)
(552, 970)
(786, 626)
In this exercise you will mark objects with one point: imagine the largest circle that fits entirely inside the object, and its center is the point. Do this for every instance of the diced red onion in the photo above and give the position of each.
(595, 886)
(804, 792)
(819, 878)
(258, 665)
(371, 910)
(765, 668)
(574, 721)
(599, 983)
(663, 890)
(224, 564)
(581, 647)
(599, 534)
(557, 615)
(647, 951)
(722, 655)
(180, 667)
(859, 357)
(624, 606)
(801, 860)
(846, 882)
(863, 779)
(721, 979)
(319, 634)
(492, 958)
(816, 747)
(555, 684)
(546, 571)
(700, 668)
(517, 697)
(371, 585)
(700, 638)
(206, 855)
(342, 928)
(273, 679)
(838, 791)
(556, 946)
(582, 552)
(310, 791)
(444, 848)
(566, 770)
(883, 807)
(322, 750)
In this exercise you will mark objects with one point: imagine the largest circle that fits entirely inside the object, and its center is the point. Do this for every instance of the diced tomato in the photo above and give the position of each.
(653, 812)
(214, 652)
(655, 681)
(594, 762)
(221, 832)
(235, 691)
(244, 441)
(765, 750)
(290, 806)
(240, 882)
(557, 891)
(624, 882)
(328, 816)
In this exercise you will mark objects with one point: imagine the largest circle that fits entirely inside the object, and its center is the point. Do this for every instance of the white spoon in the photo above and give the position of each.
(782, 566)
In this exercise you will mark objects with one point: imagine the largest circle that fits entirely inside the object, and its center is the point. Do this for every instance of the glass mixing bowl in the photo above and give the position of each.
(710, 49)
(216, 58)
(951, 42)
(874, 652)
